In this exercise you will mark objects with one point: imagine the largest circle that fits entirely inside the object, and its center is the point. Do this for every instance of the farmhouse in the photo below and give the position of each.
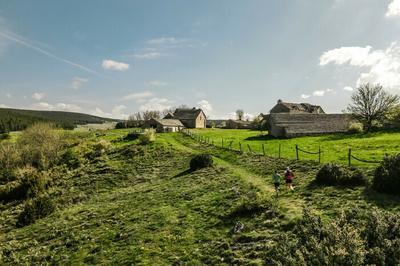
(293, 125)
(296, 108)
(164, 125)
(190, 118)
(238, 124)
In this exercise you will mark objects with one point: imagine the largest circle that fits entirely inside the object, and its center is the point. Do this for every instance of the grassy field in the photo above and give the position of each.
(139, 204)
(371, 146)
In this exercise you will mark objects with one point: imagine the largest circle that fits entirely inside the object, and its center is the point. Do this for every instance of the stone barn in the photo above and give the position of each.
(239, 124)
(288, 125)
(296, 108)
(164, 125)
(190, 118)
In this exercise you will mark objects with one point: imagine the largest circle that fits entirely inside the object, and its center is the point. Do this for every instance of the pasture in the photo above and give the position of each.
(334, 147)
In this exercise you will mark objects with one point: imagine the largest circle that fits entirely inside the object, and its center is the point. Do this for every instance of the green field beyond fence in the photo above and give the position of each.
(370, 147)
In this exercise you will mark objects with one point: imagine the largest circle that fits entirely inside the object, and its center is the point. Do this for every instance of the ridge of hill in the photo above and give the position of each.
(19, 119)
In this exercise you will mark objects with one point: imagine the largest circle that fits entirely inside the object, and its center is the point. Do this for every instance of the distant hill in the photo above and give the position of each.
(16, 119)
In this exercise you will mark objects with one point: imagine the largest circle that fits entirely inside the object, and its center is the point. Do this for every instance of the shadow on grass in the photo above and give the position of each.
(261, 137)
(186, 172)
(381, 200)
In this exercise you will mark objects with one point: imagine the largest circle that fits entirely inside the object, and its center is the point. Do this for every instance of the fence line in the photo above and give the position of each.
(229, 146)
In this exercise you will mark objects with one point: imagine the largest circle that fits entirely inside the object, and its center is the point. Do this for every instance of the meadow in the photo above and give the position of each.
(371, 146)
(129, 203)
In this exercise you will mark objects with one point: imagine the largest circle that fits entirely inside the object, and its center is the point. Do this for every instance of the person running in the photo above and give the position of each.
(289, 176)
(276, 178)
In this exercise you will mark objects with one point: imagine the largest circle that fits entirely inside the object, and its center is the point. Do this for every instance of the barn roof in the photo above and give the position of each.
(301, 107)
(169, 122)
(183, 113)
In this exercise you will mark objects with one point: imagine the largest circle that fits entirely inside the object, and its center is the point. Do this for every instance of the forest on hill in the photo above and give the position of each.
(16, 119)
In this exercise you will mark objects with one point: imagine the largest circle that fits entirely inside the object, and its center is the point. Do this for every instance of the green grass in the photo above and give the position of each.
(139, 204)
(371, 146)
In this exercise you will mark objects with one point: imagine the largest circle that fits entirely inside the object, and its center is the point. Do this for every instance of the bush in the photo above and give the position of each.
(70, 159)
(10, 156)
(29, 184)
(333, 174)
(41, 146)
(132, 136)
(387, 175)
(355, 128)
(35, 209)
(5, 136)
(201, 161)
(149, 135)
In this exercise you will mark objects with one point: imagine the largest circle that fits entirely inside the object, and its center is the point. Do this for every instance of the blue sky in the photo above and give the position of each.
(113, 58)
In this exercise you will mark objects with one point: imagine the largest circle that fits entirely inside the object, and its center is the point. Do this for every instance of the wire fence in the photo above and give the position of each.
(245, 147)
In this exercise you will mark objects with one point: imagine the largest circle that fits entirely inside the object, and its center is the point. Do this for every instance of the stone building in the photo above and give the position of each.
(296, 108)
(239, 124)
(164, 125)
(190, 118)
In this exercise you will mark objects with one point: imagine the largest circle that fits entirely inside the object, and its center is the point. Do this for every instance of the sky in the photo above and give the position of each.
(114, 58)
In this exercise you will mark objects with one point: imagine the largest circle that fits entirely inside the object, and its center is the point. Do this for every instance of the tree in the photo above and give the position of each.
(371, 103)
(239, 114)
(149, 114)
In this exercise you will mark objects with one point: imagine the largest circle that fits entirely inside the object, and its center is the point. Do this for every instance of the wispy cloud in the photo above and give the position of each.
(22, 41)
(138, 96)
(206, 106)
(149, 55)
(165, 41)
(109, 64)
(78, 82)
(157, 83)
(305, 96)
(348, 88)
(38, 96)
(319, 93)
(156, 104)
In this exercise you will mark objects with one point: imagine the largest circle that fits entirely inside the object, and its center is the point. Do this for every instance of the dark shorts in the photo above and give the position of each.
(289, 181)
(277, 185)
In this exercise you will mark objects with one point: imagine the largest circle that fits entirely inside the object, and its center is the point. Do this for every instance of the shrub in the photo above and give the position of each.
(201, 161)
(5, 136)
(387, 175)
(40, 145)
(70, 159)
(35, 209)
(9, 156)
(132, 136)
(355, 128)
(29, 184)
(149, 135)
(333, 174)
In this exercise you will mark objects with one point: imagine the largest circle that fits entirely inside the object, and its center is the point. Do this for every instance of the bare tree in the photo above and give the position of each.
(239, 114)
(149, 114)
(371, 103)
(167, 111)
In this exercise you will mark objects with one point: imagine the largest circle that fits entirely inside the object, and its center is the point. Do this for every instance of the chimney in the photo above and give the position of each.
(279, 101)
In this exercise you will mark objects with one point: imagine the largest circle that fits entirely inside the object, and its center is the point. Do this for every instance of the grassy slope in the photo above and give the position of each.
(140, 205)
(372, 146)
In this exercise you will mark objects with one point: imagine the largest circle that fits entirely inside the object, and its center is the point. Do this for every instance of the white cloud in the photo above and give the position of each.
(165, 40)
(156, 104)
(348, 88)
(114, 65)
(157, 83)
(8, 95)
(305, 96)
(3, 106)
(319, 93)
(57, 107)
(38, 96)
(205, 106)
(78, 82)
(382, 66)
(118, 112)
(148, 55)
(393, 9)
(138, 96)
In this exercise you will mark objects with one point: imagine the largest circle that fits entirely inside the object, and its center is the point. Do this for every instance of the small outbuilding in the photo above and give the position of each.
(165, 125)
(239, 124)
(296, 108)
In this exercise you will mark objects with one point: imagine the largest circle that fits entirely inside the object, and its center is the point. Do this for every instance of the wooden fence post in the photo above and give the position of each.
(263, 149)
(248, 146)
(240, 147)
(349, 156)
(319, 154)
(297, 152)
(279, 156)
